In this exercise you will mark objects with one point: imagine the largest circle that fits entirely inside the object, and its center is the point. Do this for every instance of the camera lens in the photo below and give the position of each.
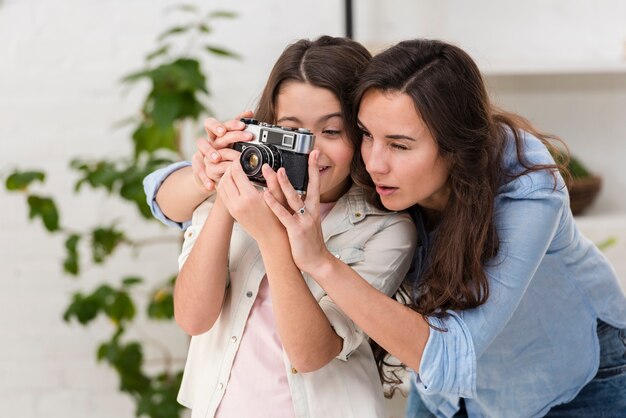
(255, 155)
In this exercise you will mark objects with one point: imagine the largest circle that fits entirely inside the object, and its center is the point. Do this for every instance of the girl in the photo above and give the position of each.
(267, 341)
(513, 312)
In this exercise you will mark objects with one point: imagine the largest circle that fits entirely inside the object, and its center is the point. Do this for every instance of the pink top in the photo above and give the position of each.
(258, 385)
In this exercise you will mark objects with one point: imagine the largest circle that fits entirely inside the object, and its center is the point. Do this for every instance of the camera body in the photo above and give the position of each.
(278, 146)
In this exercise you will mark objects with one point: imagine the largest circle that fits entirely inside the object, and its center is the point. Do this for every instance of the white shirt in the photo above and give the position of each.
(376, 244)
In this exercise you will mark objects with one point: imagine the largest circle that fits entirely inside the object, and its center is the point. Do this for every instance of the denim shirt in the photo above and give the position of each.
(533, 344)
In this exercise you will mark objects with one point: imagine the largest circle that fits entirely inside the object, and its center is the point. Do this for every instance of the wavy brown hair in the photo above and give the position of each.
(328, 62)
(449, 95)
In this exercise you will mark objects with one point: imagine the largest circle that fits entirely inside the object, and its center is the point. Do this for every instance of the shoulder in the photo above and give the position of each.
(534, 184)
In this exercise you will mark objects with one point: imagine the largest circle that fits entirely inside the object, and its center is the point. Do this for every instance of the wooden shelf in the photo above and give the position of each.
(556, 68)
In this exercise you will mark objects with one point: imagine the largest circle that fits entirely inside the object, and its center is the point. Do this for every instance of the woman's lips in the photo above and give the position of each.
(385, 190)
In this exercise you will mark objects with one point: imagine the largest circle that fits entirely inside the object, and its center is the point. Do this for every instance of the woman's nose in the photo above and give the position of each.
(376, 161)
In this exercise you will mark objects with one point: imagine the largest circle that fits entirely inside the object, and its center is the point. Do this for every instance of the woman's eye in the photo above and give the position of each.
(365, 134)
(399, 146)
(331, 132)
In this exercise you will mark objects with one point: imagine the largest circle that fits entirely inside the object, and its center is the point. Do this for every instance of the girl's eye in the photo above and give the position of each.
(331, 132)
(399, 146)
(365, 134)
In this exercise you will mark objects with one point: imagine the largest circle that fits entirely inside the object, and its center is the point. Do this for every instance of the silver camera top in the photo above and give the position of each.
(299, 140)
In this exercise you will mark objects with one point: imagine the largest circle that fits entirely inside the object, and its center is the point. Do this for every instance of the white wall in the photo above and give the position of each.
(60, 65)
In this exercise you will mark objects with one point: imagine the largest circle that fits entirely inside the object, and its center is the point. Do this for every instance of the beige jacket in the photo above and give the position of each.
(376, 244)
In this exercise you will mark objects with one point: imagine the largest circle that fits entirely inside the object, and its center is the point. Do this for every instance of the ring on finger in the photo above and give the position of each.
(302, 210)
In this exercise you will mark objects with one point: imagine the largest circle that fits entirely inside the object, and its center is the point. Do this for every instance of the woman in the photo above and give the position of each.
(268, 342)
(513, 312)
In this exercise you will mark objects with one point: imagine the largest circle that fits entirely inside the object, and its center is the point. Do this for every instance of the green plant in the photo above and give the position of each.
(178, 92)
(575, 167)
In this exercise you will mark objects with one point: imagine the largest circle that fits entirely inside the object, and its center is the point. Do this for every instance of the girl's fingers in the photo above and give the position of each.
(294, 200)
(228, 185)
(207, 150)
(279, 210)
(229, 154)
(271, 180)
(198, 168)
(313, 188)
(245, 114)
(240, 178)
(231, 137)
(213, 128)
(216, 129)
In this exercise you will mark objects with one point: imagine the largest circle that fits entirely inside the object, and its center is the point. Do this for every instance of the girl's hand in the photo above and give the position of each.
(215, 154)
(246, 203)
(303, 224)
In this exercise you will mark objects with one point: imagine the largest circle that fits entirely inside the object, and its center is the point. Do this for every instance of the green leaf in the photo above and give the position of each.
(577, 169)
(173, 31)
(120, 308)
(133, 77)
(186, 8)
(204, 28)
(99, 174)
(131, 281)
(607, 243)
(160, 400)
(222, 14)
(166, 108)
(161, 305)
(161, 51)
(83, 309)
(70, 265)
(149, 137)
(104, 241)
(44, 208)
(20, 180)
(221, 52)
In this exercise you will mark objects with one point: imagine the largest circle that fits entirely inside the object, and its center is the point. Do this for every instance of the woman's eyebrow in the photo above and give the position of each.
(392, 136)
(399, 136)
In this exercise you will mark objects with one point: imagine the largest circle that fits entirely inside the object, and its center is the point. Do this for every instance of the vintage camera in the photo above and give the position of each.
(278, 146)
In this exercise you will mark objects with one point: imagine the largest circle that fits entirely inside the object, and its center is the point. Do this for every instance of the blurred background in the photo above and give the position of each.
(92, 256)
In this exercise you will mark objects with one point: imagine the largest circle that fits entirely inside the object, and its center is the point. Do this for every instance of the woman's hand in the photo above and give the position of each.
(246, 203)
(303, 224)
(214, 153)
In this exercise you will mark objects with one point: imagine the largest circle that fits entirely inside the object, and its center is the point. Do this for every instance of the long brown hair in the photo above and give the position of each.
(449, 95)
(328, 62)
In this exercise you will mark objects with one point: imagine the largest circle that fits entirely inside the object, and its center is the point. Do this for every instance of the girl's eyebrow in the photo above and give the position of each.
(289, 119)
(298, 121)
(392, 136)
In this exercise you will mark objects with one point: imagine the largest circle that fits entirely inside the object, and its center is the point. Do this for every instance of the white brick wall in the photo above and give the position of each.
(60, 66)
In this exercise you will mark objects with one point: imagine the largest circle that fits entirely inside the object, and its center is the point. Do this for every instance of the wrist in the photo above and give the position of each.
(324, 267)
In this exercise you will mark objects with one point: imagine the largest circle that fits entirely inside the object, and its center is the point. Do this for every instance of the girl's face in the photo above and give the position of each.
(400, 153)
(301, 105)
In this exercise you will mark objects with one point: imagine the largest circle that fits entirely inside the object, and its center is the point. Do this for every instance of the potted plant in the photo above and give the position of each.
(583, 186)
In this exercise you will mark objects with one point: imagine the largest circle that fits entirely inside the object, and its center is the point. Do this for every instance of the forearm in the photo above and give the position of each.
(395, 327)
(201, 284)
(304, 329)
(179, 195)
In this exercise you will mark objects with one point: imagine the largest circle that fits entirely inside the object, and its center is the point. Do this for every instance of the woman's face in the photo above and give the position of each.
(302, 105)
(400, 154)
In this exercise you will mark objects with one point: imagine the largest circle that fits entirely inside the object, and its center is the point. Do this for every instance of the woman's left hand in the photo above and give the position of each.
(246, 203)
(303, 224)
